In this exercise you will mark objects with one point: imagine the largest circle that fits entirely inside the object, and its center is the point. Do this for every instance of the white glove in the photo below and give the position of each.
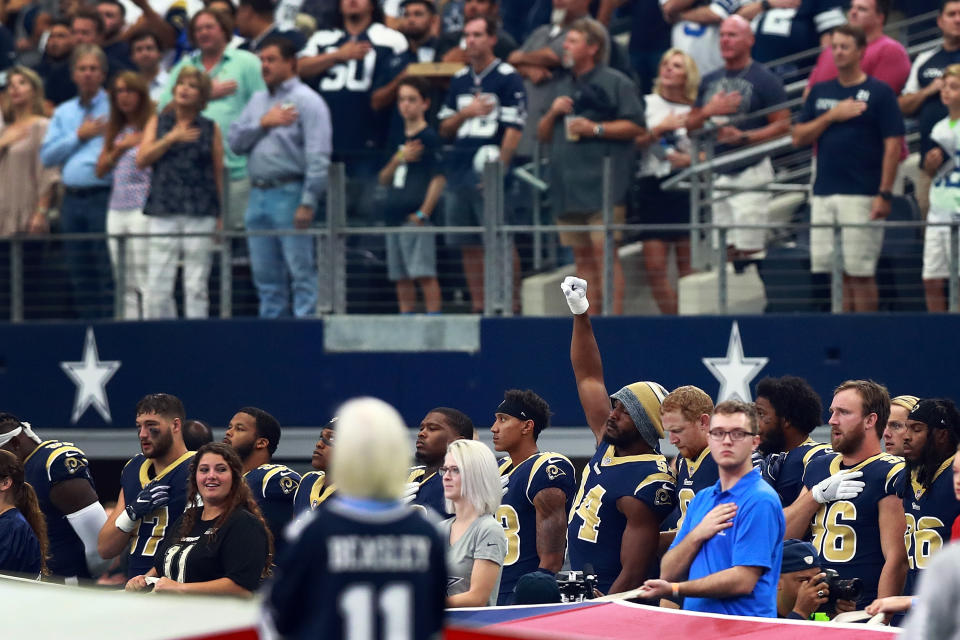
(504, 481)
(409, 492)
(839, 486)
(575, 290)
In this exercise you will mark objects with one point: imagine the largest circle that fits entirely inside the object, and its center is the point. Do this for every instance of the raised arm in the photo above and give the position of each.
(585, 358)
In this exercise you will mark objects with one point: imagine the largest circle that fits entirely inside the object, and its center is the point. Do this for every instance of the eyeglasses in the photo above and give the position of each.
(452, 470)
(736, 435)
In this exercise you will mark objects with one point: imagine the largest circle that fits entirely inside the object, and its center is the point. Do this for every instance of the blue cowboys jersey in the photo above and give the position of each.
(348, 86)
(784, 471)
(273, 487)
(595, 528)
(692, 476)
(430, 493)
(50, 463)
(311, 493)
(518, 516)
(359, 572)
(846, 533)
(782, 32)
(927, 68)
(501, 84)
(930, 513)
(147, 536)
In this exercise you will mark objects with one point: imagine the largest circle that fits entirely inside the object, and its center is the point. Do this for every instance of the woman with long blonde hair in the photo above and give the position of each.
(23, 530)
(27, 186)
(130, 109)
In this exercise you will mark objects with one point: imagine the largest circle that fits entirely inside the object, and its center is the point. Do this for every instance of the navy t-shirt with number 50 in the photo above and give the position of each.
(850, 153)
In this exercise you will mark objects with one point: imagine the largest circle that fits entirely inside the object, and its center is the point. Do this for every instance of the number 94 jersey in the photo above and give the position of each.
(930, 513)
(518, 516)
(149, 532)
(595, 528)
(846, 533)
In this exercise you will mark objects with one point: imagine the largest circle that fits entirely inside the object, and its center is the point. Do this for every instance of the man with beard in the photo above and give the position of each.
(113, 14)
(857, 525)
(315, 486)
(54, 66)
(254, 434)
(60, 475)
(929, 446)
(685, 413)
(439, 428)
(900, 408)
(626, 490)
(153, 485)
(788, 410)
(538, 488)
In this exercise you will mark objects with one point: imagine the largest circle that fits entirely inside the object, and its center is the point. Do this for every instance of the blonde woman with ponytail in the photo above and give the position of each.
(23, 530)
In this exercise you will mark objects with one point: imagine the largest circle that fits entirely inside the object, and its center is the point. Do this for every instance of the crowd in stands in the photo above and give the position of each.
(178, 120)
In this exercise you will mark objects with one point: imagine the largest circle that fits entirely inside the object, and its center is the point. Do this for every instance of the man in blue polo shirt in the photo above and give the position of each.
(726, 556)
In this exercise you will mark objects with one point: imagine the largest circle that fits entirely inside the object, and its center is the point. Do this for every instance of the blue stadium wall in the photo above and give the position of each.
(218, 366)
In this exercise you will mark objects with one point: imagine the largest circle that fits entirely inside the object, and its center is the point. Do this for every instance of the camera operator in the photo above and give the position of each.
(803, 587)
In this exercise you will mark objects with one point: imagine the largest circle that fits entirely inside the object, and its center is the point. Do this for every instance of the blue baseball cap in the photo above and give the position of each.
(798, 555)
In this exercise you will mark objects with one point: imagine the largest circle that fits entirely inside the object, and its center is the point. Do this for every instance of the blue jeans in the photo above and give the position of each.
(274, 259)
(88, 261)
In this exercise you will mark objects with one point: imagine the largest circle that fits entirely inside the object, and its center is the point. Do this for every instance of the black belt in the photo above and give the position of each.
(274, 182)
(85, 191)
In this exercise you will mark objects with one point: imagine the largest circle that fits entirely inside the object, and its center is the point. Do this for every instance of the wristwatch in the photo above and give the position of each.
(886, 195)
(598, 131)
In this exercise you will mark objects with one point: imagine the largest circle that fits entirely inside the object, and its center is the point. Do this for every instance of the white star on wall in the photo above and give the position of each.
(734, 371)
(91, 376)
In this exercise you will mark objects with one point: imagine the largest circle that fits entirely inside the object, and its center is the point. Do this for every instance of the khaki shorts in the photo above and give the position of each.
(936, 253)
(860, 245)
(588, 238)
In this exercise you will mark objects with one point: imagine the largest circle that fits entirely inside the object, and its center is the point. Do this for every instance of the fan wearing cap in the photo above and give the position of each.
(929, 447)
(801, 590)
(60, 475)
(627, 489)
(315, 486)
(539, 488)
(900, 408)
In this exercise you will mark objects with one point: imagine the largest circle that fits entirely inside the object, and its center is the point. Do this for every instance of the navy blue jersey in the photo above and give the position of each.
(692, 477)
(311, 492)
(351, 568)
(501, 84)
(930, 513)
(784, 471)
(411, 179)
(430, 493)
(50, 463)
(782, 32)
(273, 487)
(518, 516)
(846, 533)
(850, 153)
(348, 86)
(929, 66)
(137, 474)
(595, 528)
(19, 549)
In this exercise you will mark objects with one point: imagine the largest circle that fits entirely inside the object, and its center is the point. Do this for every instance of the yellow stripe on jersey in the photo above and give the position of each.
(145, 477)
(57, 452)
(610, 460)
(542, 460)
(813, 450)
(693, 465)
(40, 446)
(655, 477)
(277, 468)
(918, 489)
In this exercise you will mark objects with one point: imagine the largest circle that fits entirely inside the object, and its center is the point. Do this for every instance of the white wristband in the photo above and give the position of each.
(124, 523)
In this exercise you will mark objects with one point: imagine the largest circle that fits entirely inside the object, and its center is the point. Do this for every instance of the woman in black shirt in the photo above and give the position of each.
(223, 547)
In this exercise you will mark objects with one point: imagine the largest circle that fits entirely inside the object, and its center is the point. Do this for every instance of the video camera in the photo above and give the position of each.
(576, 586)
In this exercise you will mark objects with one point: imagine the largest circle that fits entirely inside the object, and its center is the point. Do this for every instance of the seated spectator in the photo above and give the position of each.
(223, 547)
(146, 53)
(130, 109)
(665, 149)
(884, 58)
(254, 22)
(415, 177)
(54, 66)
(186, 152)
(27, 185)
(23, 528)
(478, 545)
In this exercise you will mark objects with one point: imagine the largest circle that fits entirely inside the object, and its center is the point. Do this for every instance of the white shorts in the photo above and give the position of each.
(936, 252)
(860, 245)
(746, 207)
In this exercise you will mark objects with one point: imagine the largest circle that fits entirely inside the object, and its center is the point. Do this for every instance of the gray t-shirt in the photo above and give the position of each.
(483, 540)
(936, 614)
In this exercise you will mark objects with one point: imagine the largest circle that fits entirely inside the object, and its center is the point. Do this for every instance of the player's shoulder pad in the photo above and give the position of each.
(383, 36)
(506, 69)
(63, 461)
(278, 481)
(417, 473)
